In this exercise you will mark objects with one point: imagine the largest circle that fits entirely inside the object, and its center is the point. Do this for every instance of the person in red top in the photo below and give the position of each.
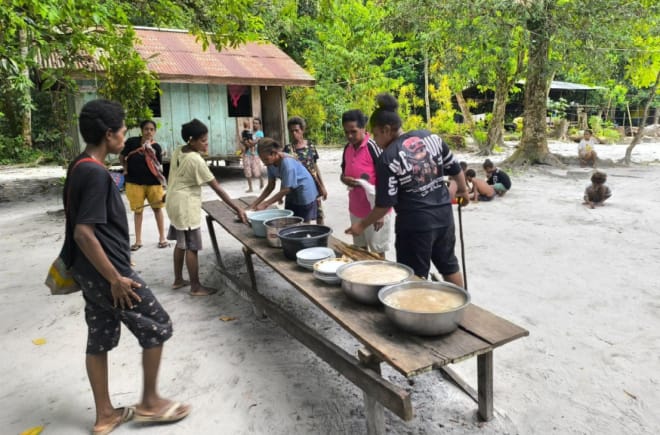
(358, 172)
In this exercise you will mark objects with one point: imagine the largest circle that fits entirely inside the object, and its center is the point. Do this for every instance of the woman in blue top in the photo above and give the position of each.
(297, 184)
(410, 177)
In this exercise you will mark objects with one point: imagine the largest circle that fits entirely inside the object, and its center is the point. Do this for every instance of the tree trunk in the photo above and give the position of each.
(642, 123)
(465, 111)
(533, 146)
(427, 101)
(496, 126)
(26, 115)
(561, 130)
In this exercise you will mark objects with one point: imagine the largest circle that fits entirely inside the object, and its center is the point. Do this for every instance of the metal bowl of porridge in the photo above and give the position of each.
(361, 280)
(425, 307)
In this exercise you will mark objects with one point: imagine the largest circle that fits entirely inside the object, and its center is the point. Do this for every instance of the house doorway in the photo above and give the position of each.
(273, 112)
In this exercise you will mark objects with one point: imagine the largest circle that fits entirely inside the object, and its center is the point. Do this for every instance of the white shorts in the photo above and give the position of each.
(377, 241)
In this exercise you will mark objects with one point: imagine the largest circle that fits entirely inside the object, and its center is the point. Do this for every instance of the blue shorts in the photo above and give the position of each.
(308, 212)
(417, 249)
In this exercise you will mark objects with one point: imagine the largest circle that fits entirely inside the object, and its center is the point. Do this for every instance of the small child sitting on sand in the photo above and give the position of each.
(480, 190)
(597, 192)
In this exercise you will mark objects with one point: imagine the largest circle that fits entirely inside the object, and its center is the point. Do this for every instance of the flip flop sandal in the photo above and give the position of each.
(127, 415)
(135, 247)
(184, 283)
(169, 416)
(209, 293)
(163, 244)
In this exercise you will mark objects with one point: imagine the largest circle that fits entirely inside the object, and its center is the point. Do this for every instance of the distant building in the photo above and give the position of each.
(581, 99)
(220, 88)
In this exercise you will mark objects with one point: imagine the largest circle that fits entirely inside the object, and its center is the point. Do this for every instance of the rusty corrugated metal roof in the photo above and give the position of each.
(175, 56)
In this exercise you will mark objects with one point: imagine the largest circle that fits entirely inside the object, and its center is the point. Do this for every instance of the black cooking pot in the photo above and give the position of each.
(303, 236)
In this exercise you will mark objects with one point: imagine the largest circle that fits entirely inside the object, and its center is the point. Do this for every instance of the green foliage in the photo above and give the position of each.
(305, 102)
(596, 124)
(13, 150)
(557, 108)
(443, 121)
(519, 123)
(354, 48)
(350, 55)
(409, 103)
(609, 135)
(480, 136)
(127, 79)
(42, 43)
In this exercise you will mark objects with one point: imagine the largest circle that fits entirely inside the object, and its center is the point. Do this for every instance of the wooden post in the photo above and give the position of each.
(214, 241)
(252, 290)
(485, 385)
(374, 411)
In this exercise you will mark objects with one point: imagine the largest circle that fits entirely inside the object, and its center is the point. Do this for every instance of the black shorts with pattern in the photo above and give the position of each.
(147, 320)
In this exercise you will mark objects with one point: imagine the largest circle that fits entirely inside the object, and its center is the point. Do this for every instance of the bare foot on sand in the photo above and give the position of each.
(202, 291)
(179, 283)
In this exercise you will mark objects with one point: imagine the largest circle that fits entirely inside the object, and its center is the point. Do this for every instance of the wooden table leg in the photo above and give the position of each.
(252, 290)
(485, 385)
(214, 241)
(373, 410)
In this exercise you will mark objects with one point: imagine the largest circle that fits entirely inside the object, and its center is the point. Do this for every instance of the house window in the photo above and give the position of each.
(239, 100)
(154, 105)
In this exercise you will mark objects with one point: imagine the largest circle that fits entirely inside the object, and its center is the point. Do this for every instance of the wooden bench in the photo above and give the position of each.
(479, 333)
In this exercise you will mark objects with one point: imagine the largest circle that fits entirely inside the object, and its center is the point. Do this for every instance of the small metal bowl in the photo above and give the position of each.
(368, 293)
(274, 225)
(424, 323)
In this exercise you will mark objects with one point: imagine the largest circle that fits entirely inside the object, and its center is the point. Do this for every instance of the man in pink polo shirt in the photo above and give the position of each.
(358, 172)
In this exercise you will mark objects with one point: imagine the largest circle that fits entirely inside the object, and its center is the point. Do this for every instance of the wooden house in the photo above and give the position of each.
(220, 88)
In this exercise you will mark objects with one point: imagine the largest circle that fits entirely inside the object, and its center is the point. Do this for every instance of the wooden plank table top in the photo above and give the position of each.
(479, 332)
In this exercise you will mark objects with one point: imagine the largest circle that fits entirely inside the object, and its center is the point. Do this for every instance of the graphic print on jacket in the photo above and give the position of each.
(418, 168)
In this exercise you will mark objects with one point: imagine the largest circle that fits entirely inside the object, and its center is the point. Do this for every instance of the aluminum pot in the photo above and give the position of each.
(424, 323)
(303, 236)
(368, 293)
(274, 225)
(257, 218)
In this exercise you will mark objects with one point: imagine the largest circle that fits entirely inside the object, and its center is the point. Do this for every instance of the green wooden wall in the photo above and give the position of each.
(180, 103)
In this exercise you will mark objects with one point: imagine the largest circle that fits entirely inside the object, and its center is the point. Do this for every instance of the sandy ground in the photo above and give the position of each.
(584, 282)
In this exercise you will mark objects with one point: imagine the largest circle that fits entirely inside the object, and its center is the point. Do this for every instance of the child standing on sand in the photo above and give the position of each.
(188, 173)
(597, 192)
(252, 166)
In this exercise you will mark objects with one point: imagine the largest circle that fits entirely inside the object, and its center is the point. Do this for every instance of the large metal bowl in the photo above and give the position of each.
(424, 323)
(367, 293)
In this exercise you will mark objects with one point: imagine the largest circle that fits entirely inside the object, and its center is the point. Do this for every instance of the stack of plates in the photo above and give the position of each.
(326, 270)
(307, 257)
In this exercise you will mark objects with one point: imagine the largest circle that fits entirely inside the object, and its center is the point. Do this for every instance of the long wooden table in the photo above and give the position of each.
(479, 333)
